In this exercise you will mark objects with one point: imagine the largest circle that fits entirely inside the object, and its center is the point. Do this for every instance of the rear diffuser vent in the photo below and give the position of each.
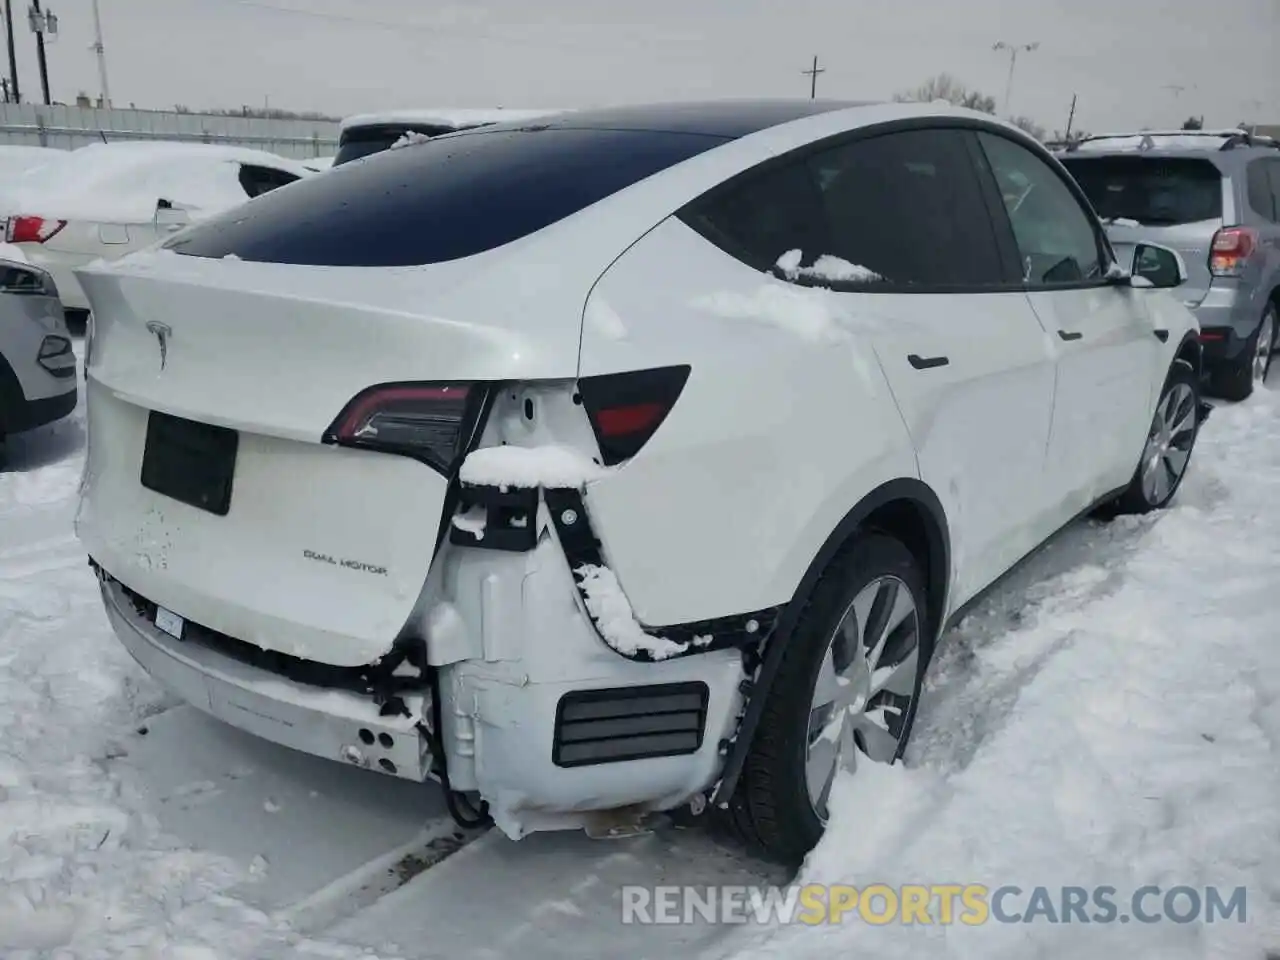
(629, 723)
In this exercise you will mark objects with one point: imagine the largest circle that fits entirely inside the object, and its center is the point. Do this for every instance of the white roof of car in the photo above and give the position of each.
(125, 153)
(443, 117)
(121, 182)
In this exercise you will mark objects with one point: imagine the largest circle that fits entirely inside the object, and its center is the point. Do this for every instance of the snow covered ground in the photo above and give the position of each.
(1111, 715)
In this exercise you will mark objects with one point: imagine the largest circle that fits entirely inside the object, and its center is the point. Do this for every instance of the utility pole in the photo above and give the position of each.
(13, 60)
(812, 74)
(1071, 118)
(101, 51)
(1013, 49)
(40, 22)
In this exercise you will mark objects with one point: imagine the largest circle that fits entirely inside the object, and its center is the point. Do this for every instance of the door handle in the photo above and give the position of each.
(1162, 335)
(926, 363)
(1070, 334)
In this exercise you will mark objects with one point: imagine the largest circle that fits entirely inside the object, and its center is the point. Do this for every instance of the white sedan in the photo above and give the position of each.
(109, 199)
(630, 459)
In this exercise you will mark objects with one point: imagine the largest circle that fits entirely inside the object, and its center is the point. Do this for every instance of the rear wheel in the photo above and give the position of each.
(1167, 451)
(845, 694)
(1237, 380)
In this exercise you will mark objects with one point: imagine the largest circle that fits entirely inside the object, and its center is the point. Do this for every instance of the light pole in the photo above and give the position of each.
(1013, 49)
(100, 49)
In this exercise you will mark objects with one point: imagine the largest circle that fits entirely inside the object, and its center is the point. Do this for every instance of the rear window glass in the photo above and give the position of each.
(440, 200)
(1154, 191)
(362, 141)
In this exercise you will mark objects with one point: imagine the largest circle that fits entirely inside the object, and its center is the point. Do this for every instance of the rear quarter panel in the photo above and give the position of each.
(785, 423)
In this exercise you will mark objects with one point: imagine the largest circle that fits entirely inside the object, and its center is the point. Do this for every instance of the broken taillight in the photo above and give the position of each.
(31, 229)
(626, 409)
(431, 422)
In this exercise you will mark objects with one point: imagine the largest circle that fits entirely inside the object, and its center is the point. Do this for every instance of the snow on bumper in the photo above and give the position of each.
(326, 723)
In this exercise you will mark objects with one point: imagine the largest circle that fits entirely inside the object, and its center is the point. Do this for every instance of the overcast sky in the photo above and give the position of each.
(1122, 57)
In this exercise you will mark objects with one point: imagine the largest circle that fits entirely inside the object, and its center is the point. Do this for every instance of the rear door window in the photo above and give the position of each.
(444, 199)
(1154, 191)
(908, 209)
(887, 212)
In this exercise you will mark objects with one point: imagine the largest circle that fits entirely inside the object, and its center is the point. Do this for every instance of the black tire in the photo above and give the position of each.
(1137, 499)
(1235, 381)
(770, 809)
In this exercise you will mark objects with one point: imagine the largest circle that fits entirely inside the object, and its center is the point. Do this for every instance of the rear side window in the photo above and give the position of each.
(259, 180)
(1262, 198)
(1154, 191)
(761, 219)
(440, 200)
(1273, 174)
(897, 210)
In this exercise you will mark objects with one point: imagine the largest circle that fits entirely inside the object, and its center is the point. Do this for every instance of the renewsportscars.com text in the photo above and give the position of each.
(943, 904)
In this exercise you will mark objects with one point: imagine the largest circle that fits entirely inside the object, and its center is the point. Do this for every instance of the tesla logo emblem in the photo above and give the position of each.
(162, 331)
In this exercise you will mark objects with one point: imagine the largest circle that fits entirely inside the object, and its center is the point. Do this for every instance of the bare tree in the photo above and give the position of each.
(946, 87)
(1027, 125)
(1193, 123)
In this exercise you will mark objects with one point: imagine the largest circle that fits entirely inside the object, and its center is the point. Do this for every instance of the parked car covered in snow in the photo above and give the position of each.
(108, 199)
(37, 364)
(649, 475)
(369, 133)
(1214, 196)
(16, 160)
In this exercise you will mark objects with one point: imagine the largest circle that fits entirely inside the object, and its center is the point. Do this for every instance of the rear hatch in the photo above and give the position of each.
(209, 487)
(1174, 200)
(363, 303)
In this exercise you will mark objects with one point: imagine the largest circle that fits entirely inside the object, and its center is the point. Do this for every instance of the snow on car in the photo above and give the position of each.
(17, 160)
(648, 476)
(108, 199)
(368, 133)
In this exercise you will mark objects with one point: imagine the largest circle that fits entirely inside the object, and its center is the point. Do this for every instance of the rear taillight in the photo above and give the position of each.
(626, 409)
(31, 229)
(431, 422)
(57, 357)
(1230, 249)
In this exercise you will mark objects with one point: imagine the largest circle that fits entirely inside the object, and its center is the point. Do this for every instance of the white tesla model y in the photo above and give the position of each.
(622, 460)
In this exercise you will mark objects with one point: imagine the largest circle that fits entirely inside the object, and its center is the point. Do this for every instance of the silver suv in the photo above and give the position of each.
(1214, 196)
(37, 362)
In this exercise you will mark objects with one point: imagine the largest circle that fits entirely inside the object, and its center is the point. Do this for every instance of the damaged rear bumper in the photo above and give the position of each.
(335, 724)
(537, 717)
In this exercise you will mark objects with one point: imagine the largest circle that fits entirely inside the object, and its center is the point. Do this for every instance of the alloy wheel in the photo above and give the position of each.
(1173, 432)
(862, 695)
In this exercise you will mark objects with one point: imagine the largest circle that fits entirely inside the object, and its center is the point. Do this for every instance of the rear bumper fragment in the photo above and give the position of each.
(334, 724)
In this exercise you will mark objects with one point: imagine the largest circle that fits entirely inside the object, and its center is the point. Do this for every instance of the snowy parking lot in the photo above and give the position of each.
(1110, 715)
